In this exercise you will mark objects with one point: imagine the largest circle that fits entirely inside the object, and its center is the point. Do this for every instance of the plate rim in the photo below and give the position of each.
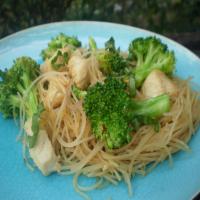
(26, 30)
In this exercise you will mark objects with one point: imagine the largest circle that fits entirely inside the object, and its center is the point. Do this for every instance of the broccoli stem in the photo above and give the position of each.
(31, 101)
(154, 107)
(92, 44)
(14, 101)
(80, 94)
(32, 104)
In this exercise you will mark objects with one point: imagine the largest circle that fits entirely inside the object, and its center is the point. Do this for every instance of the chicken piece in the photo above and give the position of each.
(79, 70)
(46, 66)
(54, 95)
(158, 83)
(53, 92)
(43, 154)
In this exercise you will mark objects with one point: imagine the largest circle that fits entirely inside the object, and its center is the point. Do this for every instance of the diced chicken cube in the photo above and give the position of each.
(158, 83)
(79, 70)
(54, 95)
(43, 154)
(46, 66)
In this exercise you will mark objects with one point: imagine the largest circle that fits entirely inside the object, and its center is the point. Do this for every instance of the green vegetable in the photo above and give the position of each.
(35, 126)
(150, 53)
(110, 60)
(141, 120)
(14, 85)
(58, 42)
(106, 106)
(131, 85)
(113, 114)
(153, 107)
(80, 94)
(92, 44)
(110, 45)
(59, 60)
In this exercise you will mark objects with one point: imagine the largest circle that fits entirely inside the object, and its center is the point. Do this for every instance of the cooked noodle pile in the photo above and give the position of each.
(80, 153)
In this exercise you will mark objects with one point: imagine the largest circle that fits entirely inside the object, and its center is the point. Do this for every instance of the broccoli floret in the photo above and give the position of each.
(113, 114)
(59, 60)
(14, 85)
(105, 105)
(5, 107)
(80, 94)
(58, 42)
(14, 82)
(110, 59)
(113, 129)
(111, 62)
(150, 53)
(110, 45)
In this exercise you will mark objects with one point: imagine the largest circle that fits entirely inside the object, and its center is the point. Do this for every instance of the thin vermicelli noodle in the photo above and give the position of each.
(80, 153)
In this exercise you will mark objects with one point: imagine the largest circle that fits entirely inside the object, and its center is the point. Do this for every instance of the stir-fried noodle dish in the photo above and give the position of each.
(100, 112)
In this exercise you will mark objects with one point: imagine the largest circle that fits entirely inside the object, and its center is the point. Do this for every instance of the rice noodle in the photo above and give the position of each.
(80, 153)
